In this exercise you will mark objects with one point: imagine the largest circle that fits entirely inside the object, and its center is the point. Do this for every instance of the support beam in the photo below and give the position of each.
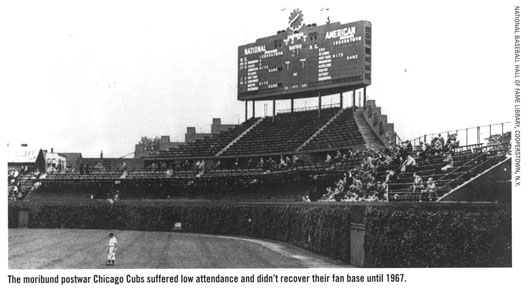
(253, 109)
(273, 109)
(341, 100)
(292, 105)
(364, 96)
(319, 102)
(353, 99)
(246, 110)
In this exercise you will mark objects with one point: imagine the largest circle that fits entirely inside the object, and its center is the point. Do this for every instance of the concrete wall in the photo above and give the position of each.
(379, 123)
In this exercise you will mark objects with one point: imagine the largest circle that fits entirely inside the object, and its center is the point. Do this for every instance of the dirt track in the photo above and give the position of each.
(86, 249)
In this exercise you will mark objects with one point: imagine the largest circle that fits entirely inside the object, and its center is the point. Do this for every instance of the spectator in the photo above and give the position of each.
(408, 165)
(431, 189)
(441, 139)
(338, 156)
(301, 160)
(282, 162)
(438, 146)
(295, 160)
(417, 184)
(328, 160)
(123, 166)
(448, 161)
(452, 142)
(250, 163)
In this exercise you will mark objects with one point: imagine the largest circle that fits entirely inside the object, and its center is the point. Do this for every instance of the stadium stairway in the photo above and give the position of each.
(342, 132)
(320, 130)
(371, 140)
(239, 137)
(282, 134)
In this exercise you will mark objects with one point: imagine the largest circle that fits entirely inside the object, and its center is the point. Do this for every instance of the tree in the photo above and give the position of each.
(500, 139)
(150, 144)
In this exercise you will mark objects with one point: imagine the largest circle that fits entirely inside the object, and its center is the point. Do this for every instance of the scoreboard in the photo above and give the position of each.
(313, 60)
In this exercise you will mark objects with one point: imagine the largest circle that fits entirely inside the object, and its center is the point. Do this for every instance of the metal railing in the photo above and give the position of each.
(467, 136)
(308, 108)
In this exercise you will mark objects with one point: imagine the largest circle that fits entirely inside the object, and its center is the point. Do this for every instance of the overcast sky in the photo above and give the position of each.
(98, 76)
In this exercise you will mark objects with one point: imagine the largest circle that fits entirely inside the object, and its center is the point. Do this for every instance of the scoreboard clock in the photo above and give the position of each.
(296, 20)
(306, 60)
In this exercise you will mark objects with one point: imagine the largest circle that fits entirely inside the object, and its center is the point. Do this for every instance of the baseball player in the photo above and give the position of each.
(111, 252)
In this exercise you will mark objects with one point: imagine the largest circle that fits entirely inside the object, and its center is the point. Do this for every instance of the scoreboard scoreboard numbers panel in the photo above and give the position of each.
(328, 59)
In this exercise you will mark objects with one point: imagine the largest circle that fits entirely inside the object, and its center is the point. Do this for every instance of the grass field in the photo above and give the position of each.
(86, 249)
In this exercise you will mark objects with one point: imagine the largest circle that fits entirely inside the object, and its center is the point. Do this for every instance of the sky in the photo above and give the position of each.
(98, 75)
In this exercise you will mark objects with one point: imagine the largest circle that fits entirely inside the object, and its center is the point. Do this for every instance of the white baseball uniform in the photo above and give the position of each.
(113, 245)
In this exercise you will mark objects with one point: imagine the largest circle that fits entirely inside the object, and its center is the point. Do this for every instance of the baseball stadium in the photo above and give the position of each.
(332, 184)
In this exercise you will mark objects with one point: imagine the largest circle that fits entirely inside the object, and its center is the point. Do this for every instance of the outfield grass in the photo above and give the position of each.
(86, 249)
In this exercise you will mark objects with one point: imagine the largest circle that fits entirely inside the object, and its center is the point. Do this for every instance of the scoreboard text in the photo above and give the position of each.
(322, 59)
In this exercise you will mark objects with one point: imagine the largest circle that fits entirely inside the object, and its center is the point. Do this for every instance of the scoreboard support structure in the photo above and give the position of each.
(273, 109)
(364, 96)
(319, 102)
(353, 100)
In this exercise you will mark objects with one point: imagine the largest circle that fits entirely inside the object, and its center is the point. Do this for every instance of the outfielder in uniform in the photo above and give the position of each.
(111, 252)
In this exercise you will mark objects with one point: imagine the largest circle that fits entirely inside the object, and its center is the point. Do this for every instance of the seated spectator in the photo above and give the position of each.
(169, 173)
(408, 146)
(270, 162)
(301, 160)
(295, 160)
(350, 154)
(417, 184)
(390, 176)
(448, 161)
(452, 142)
(408, 165)
(423, 150)
(261, 163)
(283, 164)
(441, 139)
(328, 160)
(438, 147)
(431, 189)
(250, 163)
(338, 156)
(328, 196)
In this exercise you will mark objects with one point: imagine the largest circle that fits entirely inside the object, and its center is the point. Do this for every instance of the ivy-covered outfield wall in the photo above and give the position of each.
(397, 235)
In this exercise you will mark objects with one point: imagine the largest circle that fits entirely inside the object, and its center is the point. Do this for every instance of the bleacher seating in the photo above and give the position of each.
(467, 162)
(209, 146)
(342, 132)
(285, 133)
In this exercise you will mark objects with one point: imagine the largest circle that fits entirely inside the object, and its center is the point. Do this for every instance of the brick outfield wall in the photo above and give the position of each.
(397, 235)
